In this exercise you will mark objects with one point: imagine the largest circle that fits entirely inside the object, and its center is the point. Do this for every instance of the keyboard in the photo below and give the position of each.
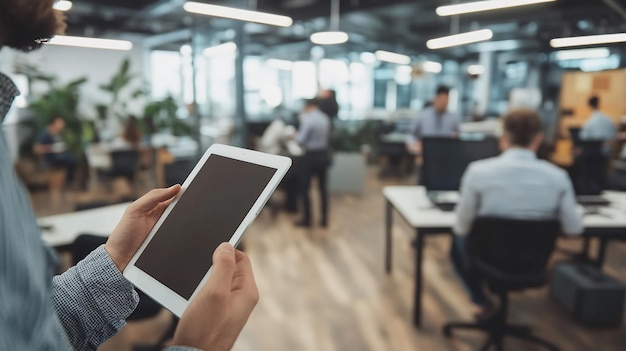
(445, 206)
(592, 200)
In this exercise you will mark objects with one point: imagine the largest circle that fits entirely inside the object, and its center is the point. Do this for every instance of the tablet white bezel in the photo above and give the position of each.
(163, 294)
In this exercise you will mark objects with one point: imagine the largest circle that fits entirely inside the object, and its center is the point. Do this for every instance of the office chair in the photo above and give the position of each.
(124, 163)
(509, 255)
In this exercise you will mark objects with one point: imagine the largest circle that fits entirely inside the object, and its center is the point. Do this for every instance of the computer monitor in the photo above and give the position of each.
(590, 168)
(445, 160)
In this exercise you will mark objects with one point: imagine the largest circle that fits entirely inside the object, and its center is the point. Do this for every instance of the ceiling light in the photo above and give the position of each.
(94, 43)
(588, 40)
(62, 5)
(333, 36)
(582, 54)
(220, 50)
(392, 57)
(460, 39)
(479, 6)
(280, 64)
(475, 70)
(238, 14)
(432, 67)
(329, 38)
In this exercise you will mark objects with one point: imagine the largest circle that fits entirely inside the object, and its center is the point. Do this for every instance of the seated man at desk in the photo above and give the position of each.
(51, 147)
(513, 185)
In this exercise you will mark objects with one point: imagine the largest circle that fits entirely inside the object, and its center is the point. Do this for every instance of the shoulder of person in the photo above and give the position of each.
(553, 170)
(483, 166)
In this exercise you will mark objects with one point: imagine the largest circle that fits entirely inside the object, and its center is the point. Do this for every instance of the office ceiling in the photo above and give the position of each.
(392, 24)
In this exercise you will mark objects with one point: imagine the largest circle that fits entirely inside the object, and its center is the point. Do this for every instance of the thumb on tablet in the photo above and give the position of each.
(224, 264)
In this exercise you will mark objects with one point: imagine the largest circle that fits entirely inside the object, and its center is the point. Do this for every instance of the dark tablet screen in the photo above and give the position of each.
(207, 214)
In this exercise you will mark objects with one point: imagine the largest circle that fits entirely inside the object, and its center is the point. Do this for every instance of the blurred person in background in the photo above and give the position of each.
(85, 306)
(433, 121)
(328, 103)
(313, 135)
(514, 185)
(599, 126)
(132, 133)
(51, 148)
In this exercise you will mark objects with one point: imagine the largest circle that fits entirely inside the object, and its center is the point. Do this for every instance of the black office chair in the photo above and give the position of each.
(509, 255)
(124, 163)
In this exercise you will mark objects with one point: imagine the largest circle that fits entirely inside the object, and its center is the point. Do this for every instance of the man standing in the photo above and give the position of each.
(434, 121)
(313, 136)
(513, 185)
(599, 126)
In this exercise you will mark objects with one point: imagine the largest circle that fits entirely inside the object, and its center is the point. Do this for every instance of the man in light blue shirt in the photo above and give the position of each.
(514, 185)
(434, 121)
(83, 307)
(599, 126)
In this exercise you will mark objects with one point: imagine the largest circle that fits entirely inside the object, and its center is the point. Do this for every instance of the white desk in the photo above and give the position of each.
(65, 228)
(413, 205)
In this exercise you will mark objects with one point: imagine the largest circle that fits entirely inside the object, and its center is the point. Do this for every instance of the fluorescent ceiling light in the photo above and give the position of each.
(62, 5)
(238, 14)
(392, 57)
(94, 43)
(432, 67)
(460, 39)
(329, 38)
(475, 70)
(479, 6)
(582, 54)
(220, 50)
(280, 64)
(588, 40)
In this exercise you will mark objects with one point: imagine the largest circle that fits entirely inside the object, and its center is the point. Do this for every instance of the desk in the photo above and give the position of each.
(65, 228)
(413, 205)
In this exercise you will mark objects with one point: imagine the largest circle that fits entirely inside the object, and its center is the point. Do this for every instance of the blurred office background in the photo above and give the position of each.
(191, 79)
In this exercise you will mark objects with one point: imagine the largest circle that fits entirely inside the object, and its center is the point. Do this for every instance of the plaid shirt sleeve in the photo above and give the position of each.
(93, 300)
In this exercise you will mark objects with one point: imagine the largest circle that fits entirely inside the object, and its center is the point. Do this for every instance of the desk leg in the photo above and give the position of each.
(388, 252)
(419, 252)
(601, 253)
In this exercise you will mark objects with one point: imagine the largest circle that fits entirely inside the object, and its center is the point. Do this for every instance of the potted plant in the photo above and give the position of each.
(58, 100)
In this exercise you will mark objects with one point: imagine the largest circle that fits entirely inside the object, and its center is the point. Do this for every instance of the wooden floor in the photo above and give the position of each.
(327, 289)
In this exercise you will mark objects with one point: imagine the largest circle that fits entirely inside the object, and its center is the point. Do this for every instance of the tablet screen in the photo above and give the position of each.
(206, 215)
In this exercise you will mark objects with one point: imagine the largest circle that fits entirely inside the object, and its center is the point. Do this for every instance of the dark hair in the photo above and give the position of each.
(132, 132)
(522, 126)
(312, 102)
(594, 102)
(26, 24)
(442, 89)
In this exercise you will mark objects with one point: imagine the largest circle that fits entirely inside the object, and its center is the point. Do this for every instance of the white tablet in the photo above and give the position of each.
(221, 197)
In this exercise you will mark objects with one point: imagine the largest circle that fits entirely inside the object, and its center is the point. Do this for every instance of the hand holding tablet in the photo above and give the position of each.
(221, 197)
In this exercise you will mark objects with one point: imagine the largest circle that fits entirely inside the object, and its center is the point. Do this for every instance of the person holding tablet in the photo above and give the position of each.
(83, 307)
